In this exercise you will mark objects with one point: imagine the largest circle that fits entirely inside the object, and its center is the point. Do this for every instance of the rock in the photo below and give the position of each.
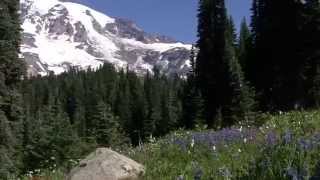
(105, 164)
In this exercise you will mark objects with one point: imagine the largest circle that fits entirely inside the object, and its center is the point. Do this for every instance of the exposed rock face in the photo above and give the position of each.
(105, 164)
(128, 29)
(63, 33)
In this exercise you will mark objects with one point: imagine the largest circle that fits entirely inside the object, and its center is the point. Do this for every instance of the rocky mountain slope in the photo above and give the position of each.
(58, 34)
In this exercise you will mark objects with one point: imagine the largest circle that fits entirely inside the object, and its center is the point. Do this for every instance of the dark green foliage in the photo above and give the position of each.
(275, 68)
(231, 31)
(244, 45)
(283, 62)
(107, 130)
(11, 71)
(10, 65)
(227, 98)
(50, 140)
(192, 102)
(210, 64)
(109, 106)
(50, 121)
(7, 142)
(310, 38)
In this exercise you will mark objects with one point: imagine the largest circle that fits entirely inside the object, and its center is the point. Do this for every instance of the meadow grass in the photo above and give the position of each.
(286, 146)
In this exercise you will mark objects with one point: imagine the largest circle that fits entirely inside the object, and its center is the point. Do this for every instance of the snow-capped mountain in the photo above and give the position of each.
(58, 34)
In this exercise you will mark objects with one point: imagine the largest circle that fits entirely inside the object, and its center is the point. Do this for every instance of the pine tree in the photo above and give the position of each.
(210, 63)
(231, 30)
(7, 141)
(244, 46)
(192, 102)
(107, 130)
(11, 66)
(310, 51)
(149, 123)
(275, 66)
(122, 104)
(218, 72)
(11, 71)
(154, 103)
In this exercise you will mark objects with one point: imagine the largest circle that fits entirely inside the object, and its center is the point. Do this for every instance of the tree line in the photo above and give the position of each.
(273, 65)
(67, 114)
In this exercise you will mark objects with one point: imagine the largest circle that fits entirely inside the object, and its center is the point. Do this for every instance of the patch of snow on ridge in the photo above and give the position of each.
(80, 11)
(160, 47)
(59, 34)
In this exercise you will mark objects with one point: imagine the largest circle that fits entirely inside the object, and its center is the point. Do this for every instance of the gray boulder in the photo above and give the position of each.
(105, 164)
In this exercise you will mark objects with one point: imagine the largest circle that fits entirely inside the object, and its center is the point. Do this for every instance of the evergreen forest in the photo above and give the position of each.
(272, 65)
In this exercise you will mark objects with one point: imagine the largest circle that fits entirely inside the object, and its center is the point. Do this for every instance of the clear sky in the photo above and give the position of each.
(174, 18)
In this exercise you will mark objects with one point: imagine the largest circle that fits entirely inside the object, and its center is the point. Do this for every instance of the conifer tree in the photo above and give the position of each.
(137, 106)
(154, 114)
(192, 102)
(11, 71)
(231, 30)
(7, 140)
(310, 33)
(107, 130)
(218, 72)
(122, 104)
(149, 123)
(211, 32)
(244, 45)
(275, 66)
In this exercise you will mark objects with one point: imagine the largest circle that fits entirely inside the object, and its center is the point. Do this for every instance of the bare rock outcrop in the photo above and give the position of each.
(105, 164)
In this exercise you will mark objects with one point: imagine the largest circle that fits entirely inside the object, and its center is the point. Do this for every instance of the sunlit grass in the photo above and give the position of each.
(287, 146)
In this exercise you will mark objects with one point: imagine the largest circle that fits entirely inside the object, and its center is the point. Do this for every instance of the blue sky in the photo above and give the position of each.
(174, 18)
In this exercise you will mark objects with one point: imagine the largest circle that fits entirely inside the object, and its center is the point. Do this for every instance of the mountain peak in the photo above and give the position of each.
(59, 34)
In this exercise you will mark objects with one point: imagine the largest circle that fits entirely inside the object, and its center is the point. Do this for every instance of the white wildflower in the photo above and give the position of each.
(192, 143)
(239, 150)
(214, 148)
(245, 140)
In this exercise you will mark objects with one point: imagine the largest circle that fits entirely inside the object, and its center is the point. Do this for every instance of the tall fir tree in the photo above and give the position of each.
(192, 102)
(11, 71)
(244, 45)
(310, 32)
(275, 68)
(218, 72)
(107, 129)
(209, 65)
(149, 122)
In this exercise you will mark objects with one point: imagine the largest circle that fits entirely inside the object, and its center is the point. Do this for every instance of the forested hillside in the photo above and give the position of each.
(11, 108)
(273, 66)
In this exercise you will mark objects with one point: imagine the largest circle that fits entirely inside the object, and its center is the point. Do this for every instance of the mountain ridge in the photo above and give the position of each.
(60, 34)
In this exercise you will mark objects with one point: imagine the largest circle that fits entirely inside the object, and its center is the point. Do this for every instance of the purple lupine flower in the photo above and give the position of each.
(182, 143)
(292, 173)
(213, 139)
(287, 138)
(305, 144)
(271, 139)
